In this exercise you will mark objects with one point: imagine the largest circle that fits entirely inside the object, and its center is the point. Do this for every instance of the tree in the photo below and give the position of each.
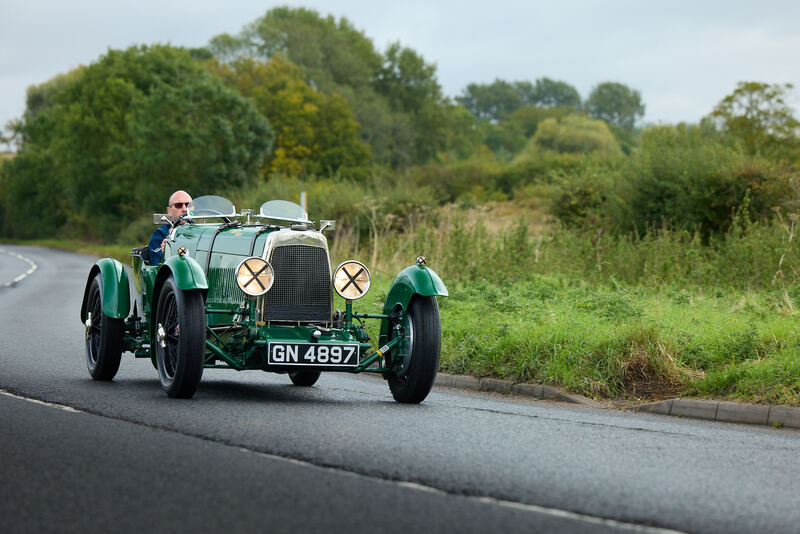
(491, 101)
(461, 128)
(411, 88)
(549, 93)
(314, 133)
(757, 115)
(499, 99)
(118, 137)
(616, 104)
(38, 97)
(332, 54)
(406, 80)
(395, 97)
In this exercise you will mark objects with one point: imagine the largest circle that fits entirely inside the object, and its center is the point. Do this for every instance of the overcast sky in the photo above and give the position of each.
(683, 56)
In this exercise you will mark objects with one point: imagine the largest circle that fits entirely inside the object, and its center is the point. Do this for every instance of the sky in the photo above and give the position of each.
(682, 56)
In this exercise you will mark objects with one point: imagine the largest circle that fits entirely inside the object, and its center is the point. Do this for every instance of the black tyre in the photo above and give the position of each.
(411, 379)
(304, 378)
(103, 335)
(180, 339)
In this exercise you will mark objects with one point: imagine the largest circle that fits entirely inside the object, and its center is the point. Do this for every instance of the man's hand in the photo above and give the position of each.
(163, 244)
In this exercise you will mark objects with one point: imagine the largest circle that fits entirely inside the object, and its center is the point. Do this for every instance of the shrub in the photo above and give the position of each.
(575, 134)
(690, 177)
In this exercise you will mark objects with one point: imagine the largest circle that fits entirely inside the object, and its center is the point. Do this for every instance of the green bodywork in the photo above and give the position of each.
(414, 280)
(116, 293)
(204, 257)
(188, 273)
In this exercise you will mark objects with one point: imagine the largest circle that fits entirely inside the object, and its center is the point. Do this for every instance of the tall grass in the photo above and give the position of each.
(750, 255)
(610, 343)
(649, 316)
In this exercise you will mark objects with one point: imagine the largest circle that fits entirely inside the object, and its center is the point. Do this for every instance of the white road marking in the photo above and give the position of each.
(23, 275)
(553, 512)
(43, 403)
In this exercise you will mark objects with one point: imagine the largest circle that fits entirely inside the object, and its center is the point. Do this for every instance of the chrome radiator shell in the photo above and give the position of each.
(302, 290)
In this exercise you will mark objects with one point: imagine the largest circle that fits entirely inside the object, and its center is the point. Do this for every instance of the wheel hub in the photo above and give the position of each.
(88, 323)
(161, 336)
(406, 345)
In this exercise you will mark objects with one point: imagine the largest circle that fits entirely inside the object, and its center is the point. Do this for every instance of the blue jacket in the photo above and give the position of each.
(154, 247)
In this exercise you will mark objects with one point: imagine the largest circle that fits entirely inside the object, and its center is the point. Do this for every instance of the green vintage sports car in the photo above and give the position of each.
(255, 291)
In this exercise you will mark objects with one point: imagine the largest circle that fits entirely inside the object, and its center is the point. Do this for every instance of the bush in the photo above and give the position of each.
(690, 177)
(575, 134)
(587, 196)
(461, 178)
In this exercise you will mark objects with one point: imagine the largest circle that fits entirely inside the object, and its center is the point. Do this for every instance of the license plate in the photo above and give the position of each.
(312, 354)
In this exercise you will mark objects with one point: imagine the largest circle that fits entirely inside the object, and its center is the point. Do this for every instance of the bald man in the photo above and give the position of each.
(179, 205)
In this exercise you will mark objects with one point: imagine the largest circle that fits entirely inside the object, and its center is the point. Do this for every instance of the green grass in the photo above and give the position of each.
(619, 343)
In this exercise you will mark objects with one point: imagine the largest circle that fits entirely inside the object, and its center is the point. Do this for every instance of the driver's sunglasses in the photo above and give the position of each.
(180, 205)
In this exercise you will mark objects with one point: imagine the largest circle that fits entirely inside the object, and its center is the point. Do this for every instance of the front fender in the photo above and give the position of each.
(188, 274)
(116, 291)
(414, 280)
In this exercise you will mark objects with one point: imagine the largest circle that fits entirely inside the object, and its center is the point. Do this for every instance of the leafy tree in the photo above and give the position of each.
(758, 116)
(39, 96)
(200, 54)
(395, 97)
(463, 137)
(406, 80)
(314, 133)
(410, 87)
(616, 104)
(549, 93)
(499, 99)
(575, 134)
(11, 134)
(496, 100)
(121, 135)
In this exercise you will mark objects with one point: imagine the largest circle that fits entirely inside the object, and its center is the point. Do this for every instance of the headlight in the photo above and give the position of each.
(351, 280)
(254, 276)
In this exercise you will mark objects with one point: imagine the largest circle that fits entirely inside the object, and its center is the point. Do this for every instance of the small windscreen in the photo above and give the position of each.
(213, 206)
(283, 210)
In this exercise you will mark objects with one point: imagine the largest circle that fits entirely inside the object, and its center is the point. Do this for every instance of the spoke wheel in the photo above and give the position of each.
(304, 378)
(103, 335)
(180, 339)
(413, 375)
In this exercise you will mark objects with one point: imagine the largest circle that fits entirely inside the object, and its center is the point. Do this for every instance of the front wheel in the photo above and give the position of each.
(304, 378)
(180, 339)
(103, 335)
(413, 375)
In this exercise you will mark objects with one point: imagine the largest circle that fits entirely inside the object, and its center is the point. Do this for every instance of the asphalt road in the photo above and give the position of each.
(250, 451)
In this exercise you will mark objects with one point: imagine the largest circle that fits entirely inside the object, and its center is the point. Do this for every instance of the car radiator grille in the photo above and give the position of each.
(302, 288)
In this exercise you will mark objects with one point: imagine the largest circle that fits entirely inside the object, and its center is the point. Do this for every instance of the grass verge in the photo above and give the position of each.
(614, 343)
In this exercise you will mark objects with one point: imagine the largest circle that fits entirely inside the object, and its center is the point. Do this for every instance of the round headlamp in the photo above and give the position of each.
(351, 280)
(254, 276)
